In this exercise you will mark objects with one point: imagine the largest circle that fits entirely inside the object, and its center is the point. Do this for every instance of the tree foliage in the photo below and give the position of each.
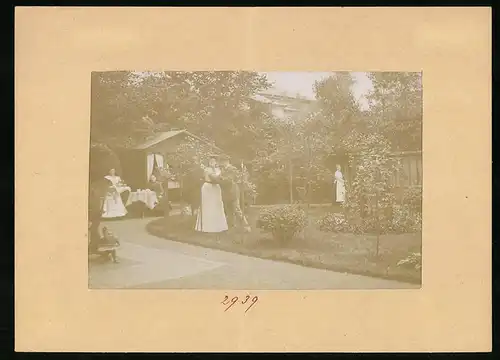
(102, 159)
(396, 108)
(369, 195)
(294, 159)
(392, 122)
(305, 143)
(339, 112)
(127, 107)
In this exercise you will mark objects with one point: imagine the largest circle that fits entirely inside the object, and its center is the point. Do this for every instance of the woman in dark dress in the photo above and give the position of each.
(98, 190)
(161, 194)
(155, 186)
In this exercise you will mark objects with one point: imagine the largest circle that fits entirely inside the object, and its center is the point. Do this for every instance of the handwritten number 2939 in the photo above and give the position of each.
(231, 302)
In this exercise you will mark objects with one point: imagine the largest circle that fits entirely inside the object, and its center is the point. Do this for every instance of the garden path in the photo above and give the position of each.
(150, 262)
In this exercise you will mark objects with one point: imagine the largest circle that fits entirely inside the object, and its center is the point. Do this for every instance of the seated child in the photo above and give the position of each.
(108, 244)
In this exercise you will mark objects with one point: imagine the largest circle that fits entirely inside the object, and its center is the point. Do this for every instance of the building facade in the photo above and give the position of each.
(285, 106)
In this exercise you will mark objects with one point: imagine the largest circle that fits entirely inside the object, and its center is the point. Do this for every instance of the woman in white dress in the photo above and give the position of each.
(113, 203)
(211, 217)
(340, 186)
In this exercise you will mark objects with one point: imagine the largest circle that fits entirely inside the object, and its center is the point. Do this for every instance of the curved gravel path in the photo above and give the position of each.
(150, 262)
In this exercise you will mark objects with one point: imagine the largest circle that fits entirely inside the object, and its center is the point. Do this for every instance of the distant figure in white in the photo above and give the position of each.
(211, 217)
(340, 186)
(113, 203)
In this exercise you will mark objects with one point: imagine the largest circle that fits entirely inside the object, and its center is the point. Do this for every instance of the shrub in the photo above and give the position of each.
(404, 220)
(333, 222)
(412, 260)
(283, 221)
(412, 197)
(370, 196)
(370, 215)
(390, 219)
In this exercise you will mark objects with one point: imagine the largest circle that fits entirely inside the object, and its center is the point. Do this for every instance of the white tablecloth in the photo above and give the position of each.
(147, 197)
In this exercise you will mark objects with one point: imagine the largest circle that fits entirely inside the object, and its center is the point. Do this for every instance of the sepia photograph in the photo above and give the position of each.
(264, 186)
(255, 180)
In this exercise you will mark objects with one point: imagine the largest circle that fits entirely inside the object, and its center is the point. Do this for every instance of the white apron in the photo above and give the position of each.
(211, 217)
(340, 187)
(113, 205)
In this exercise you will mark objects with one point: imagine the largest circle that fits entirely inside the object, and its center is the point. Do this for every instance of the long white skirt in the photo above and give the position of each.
(113, 207)
(340, 193)
(211, 217)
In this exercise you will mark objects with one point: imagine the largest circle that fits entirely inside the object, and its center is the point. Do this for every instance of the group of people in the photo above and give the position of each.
(108, 197)
(114, 205)
(220, 207)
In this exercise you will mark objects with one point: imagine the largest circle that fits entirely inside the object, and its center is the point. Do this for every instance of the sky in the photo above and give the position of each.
(302, 82)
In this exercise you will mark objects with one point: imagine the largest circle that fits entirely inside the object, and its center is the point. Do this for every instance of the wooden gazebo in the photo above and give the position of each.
(138, 163)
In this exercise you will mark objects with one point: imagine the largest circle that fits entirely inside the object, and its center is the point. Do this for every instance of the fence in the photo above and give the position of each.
(411, 169)
(409, 175)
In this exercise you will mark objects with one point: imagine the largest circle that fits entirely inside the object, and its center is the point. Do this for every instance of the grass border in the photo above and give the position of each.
(303, 262)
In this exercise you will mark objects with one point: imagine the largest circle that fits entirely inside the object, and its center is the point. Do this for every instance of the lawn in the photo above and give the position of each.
(343, 252)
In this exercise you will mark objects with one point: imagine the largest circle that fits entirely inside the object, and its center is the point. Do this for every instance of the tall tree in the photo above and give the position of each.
(298, 150)
(128, 106)
(339, 110)
(294, 157)
(396, 108)
(223, 107)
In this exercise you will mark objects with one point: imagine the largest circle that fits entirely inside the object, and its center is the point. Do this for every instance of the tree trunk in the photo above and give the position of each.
(377, 223)
(166, 211)
(308, 177)
(377, 212)
(181, 191)
(242, 192)
(290, 180)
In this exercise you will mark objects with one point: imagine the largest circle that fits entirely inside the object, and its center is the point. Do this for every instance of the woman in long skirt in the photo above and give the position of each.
(114, 206)
(211, 217)
(340, 186)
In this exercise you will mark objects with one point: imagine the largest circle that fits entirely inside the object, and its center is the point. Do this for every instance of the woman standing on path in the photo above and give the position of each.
(211, 217)
(114, 206)
(340, 186)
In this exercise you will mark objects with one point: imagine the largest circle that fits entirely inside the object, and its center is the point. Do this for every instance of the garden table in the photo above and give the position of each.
(146, 196)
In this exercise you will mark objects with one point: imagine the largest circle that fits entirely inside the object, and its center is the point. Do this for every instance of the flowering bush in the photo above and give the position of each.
(246, 185)
(408, 217)
(283, 221)
(412, 197)
(412, 260)
(405, 220)
(395, 219)
(250, 188)
(370, 197)
(332, 222)
(370, 205)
